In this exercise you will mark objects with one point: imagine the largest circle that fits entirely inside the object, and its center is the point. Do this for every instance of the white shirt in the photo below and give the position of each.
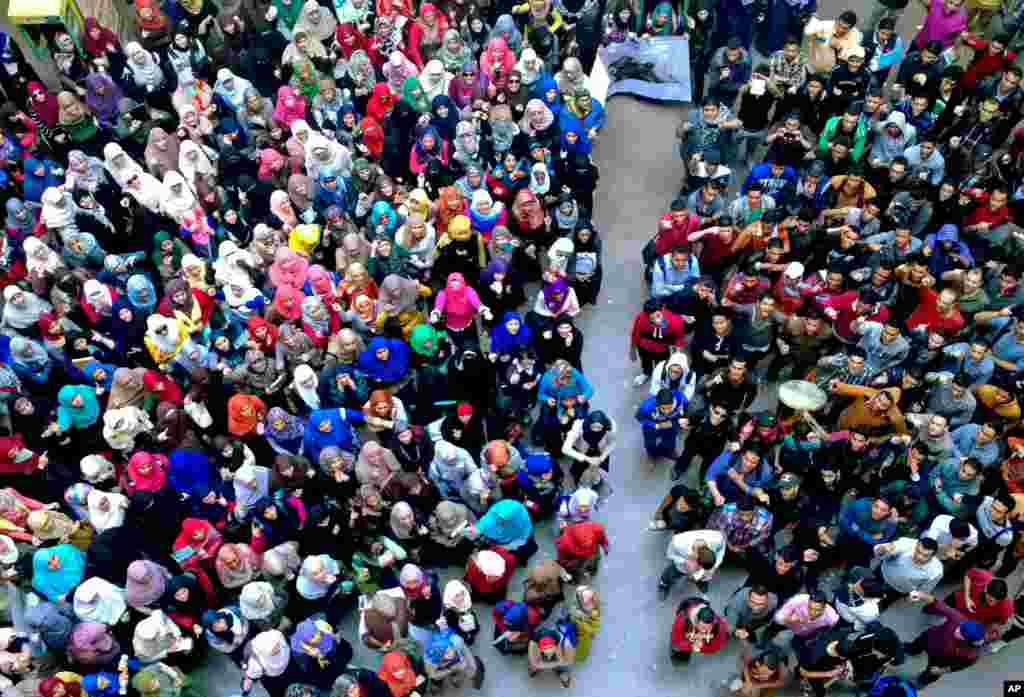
(682, 544)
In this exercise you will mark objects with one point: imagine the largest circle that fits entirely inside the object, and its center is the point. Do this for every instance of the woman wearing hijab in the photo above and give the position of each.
(57, 571)
(162, 152)
(22, 309)
(429, 147)
(103, 97)
(145, 585)
(508, 524)
(231, 90)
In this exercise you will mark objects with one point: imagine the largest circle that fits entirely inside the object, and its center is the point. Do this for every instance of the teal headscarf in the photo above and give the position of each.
(380, 209)
(54, 584)
(137, 285)
(69, 416)
(507, 523)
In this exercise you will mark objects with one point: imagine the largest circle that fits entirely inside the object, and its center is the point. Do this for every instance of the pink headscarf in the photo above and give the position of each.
(290, 107)
(271, 162)
(487, 59)
(195, 222)
(291, 311)
(460, 304)
(289, 269)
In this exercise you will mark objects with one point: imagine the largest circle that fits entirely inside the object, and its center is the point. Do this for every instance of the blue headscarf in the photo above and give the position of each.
(191, 472)
(377, 214)
(55, 584)
(22, 228)
(81, 417)
(440, 643)
(341, 434)
(540, 91)
(137, 284)
(393, 369)
(582, 145)
(444, 125)
(502, 342)
(34, 185)
(507, 523)
(515, 615)
(92, 366)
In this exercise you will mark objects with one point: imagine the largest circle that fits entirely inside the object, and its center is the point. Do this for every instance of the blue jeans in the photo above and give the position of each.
(660, 442)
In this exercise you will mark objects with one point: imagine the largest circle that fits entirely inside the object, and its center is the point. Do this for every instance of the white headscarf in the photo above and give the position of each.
(123, 172)
(177, 205)
(265, 661)
(529, 76)
(113, 517)
(155, 637)
(98, 295)
(148, 73)
(191, 168)
(58, 209)
(39, 257)
(320, 30)
(309, 395)
(121, 426)
(341, 157)
(99, 600)
(236, 95)
(167, 343)
(26, 314)
(535, 186)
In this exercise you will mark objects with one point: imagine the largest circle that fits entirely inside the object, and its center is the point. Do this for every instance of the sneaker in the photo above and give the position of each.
(640, 379)
(997, 646)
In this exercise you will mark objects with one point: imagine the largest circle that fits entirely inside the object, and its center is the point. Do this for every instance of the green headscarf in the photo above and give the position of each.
(663, 9)
(289, 14)
(178, 249)
(421, 335)
(363, 186)
(410, 88)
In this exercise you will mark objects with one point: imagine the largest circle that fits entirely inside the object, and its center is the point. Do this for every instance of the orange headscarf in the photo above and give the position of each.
(397, 662)
(244, 412)
(450, 203)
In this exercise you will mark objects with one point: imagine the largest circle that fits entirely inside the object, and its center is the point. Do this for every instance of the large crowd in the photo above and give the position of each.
(288, 336)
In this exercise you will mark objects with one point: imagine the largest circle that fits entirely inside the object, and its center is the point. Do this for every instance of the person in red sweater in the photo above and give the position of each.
(657, 332)
(991, 212)
(849, 307)
(675, 228)
(938, 312)
(489, 572)
(985, 599)
(580, 546)
(697, 629)
(991, 57)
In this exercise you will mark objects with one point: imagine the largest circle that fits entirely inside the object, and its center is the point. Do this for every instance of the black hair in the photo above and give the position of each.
(959, 529)
(888, 23)
(997, 589)
(849, 17)
(929, 544)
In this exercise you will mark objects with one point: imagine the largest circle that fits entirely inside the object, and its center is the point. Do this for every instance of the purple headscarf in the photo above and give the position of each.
(93, 644)
(104, 106)
(555, 294)
(307, 630)
(495, 267)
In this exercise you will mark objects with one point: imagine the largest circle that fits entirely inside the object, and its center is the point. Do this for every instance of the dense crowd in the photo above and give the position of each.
(870, 254)
(298, 283)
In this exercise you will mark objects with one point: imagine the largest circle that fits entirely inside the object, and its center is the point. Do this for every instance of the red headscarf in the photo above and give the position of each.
(157, 476)
(47, 109)
(210, 542)
(391, 8)
(350, 39)
(48, 688)
(289, 310)
(163, 387)
(397, 662)
(9, 448)
(271, 162)
(373, 136)
(268, 343)
(157, 23)
(381, 102)
(488, 61)
(98, 47)
(241, 423)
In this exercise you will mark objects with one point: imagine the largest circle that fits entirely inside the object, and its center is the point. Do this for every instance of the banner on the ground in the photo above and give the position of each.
(656, 68)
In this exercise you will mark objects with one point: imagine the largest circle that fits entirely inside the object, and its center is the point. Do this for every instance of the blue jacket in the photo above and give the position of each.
(781, 188)
(856, 521)
(579, 385)
(649, 416)
(719, 474)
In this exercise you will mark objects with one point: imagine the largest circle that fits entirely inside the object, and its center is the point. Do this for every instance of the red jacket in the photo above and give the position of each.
(984, 214)
(672, 234)
(926, 315)
(580, 542)
(681, 630)
(482, 585)
(672, 334)
(985, 65)
(998, 614)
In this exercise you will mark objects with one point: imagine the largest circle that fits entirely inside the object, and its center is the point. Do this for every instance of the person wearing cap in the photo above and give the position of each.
(788, 505)
(697, 629)
(827, 39)
(554, 650)
(850, 79)
(662, 418)
(951, 646)
(729, 71)
(657, 332)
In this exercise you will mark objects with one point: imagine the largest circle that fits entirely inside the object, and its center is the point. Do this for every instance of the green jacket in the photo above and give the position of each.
(860, 138)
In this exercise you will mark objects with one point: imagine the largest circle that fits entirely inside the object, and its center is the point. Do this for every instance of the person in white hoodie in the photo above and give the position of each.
(696, 555)
(674, 373)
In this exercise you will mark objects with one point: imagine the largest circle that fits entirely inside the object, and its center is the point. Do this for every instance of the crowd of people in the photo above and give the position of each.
(870, 253)
(287, 340)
